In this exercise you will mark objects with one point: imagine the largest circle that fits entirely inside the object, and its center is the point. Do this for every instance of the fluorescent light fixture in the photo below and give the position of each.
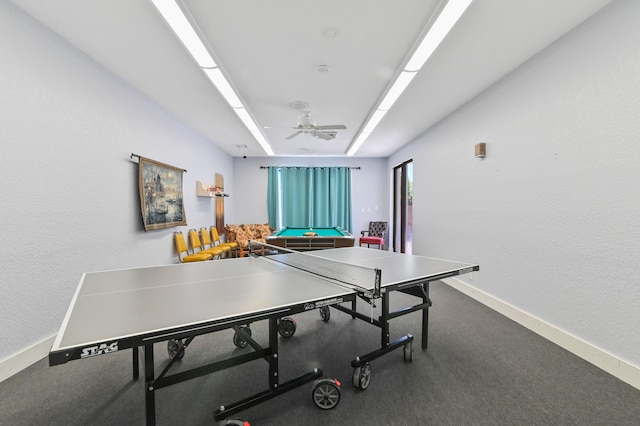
(451, 13)
(180, 25)
(223, 86)
(445, 21)
(396, 90)
(374, 120)
(263, 143)
(185, 31)
(246, 118)
(357, 143)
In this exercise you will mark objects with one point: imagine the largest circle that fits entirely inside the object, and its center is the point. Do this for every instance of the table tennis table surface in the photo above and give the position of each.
(119, 304)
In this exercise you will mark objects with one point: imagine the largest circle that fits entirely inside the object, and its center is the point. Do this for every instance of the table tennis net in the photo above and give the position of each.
(359, 277)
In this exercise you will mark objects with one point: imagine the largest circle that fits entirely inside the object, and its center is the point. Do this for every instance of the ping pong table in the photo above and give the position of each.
(136, 308)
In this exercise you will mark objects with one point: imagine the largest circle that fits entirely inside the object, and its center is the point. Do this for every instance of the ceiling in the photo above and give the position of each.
(272, 52)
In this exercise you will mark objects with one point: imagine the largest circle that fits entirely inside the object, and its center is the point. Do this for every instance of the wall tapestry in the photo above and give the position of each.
(160, 187)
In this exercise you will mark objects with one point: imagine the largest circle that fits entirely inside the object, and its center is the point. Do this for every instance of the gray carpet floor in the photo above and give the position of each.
(480, 369)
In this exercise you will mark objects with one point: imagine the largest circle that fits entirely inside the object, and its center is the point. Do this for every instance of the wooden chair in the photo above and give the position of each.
(215, 238)
(183, 252)
(205, 238)
(197, 247)
(375, 235)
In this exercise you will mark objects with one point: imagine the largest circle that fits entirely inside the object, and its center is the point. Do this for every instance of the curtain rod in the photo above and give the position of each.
(139, 157)
(321, 167)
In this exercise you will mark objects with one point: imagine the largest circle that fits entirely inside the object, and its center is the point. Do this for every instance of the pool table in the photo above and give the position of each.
(303, 239)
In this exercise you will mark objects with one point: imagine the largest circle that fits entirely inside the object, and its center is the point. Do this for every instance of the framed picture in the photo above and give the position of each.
(160, 187)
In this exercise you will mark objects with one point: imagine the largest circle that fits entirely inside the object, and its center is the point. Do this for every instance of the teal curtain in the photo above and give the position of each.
(320, 199)
(296, 184)
(309, 197)
(341, 197)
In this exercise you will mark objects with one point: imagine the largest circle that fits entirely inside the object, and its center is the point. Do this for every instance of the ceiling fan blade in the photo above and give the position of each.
(294, 135)
(324, 136)
(332, 127)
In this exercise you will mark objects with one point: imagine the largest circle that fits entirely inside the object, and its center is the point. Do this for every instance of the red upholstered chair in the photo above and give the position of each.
(375, 235)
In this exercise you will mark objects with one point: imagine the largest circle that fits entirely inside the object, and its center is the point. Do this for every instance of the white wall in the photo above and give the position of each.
(67, 183)
(552, 214)
(369, 187)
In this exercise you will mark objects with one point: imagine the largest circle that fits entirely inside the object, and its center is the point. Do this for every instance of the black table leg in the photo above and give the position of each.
(150, 397)
(136, 363)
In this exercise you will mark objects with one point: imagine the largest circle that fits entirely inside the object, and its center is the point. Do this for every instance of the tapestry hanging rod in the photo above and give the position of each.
(320, 167)
(139, 157)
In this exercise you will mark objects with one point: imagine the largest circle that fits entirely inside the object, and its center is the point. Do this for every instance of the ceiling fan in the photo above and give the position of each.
(308, 126)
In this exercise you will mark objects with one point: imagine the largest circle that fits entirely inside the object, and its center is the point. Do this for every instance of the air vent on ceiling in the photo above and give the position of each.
(299, 105)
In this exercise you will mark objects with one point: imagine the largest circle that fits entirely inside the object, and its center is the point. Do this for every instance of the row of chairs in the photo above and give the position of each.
(205, 245)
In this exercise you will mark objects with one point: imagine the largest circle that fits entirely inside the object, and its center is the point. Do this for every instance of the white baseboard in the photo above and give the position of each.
(624, 371)
(18, 362)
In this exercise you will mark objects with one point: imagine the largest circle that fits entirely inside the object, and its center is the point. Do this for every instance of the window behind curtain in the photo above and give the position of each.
(309, 197)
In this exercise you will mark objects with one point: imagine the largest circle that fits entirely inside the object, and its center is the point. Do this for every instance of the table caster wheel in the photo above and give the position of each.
(239, 340)
(408, 352)
(175, 348)
(287, 327)
(326, 393)
(362, 376)
(325, 313)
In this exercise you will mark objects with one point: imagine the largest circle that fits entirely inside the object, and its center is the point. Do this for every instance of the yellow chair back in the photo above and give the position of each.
(214, 234)
(194, 240)
(215, 237)
(181, 244)
(205, 237)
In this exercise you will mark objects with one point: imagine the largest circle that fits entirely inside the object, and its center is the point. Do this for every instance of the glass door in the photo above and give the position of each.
(403, 208)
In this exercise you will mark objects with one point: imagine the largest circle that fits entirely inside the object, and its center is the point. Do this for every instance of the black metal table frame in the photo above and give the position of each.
(269, 354)
(418, 288)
